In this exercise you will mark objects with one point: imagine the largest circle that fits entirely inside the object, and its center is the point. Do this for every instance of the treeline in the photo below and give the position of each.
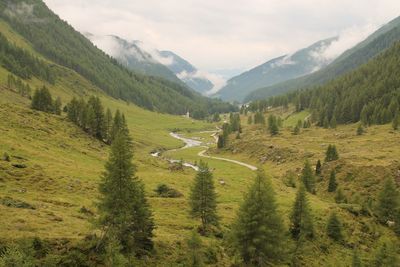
(59, 42)
(93, 119)
(22, 63)
(43, 101)
(370, 94)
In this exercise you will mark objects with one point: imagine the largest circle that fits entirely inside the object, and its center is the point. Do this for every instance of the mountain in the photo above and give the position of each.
(377, 42)
(62, 47)
(279, 69)
(132, 56)
(187, 73)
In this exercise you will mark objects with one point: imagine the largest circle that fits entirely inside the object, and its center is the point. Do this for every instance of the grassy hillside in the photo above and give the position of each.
(382, 39)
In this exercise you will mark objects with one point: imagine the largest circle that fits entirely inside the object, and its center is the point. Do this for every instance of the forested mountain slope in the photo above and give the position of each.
(276, 70)
(60, 43)
(349, 60)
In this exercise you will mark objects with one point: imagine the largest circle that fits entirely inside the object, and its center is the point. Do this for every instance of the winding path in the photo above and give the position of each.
(195, 143)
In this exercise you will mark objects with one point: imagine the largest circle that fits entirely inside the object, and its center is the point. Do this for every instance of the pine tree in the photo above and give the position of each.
(273, 125)
(221, 141)
(203, 199)
(331, 153)
(340, 197)
(388, 202)
(334, 227)
(396, 121)
(57, 106)
(307, 177)
(123, 208)
(386, 256)
(325, 123)
(99, 125)
(332, 185)
(301, 221)
(117, 124)
(318, 168)
(360, 129)
(258, 230)
(108, 122)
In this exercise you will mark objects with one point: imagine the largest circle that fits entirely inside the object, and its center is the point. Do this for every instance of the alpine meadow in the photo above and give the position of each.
(199, 133)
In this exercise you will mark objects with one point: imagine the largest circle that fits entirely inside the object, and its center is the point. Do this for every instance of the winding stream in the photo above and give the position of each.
(196, 143)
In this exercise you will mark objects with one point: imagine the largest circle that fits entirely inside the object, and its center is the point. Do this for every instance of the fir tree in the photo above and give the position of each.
(301, 221)
(334, 227)
(332, 185)
(57, 106)
(360, 129)
(203, 199)
(388, 202)
(117, 125)
(308, 178)
(340, 197)
(396, 121)
(124, 211)
(333, 122)
(108, 122)
(221, 141)
(273, 125)
(331, 153)
(325, 123)
(318, 167)
(258, 231)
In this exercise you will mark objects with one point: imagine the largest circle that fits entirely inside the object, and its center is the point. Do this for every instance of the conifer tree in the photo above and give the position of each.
(258, 230)
(339, 196)
(273, 125)
(99, 126)
(57, 106)
(108, 122)
(360, 129)
(296, 130)
(325, 123)
(388, 202)
(331, 153)
(334, 227)
(124, 211)
(396, 121)
(318, 167)
(221, 141)
(301, 221)
(332, 185)
(203, 199)
(307, 177)
(42, 100)
(117, 124)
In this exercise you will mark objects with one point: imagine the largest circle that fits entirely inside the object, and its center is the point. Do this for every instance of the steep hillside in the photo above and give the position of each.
(132, 56)
(352, 58)
(60, 43)
(276, 70)
(187, 73)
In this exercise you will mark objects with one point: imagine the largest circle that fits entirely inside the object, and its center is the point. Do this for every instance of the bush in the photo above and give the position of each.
(164, 190)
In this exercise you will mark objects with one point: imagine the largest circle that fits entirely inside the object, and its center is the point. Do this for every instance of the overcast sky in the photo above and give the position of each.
(229, 34)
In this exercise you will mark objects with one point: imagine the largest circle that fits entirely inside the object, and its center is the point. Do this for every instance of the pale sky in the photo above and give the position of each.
(235, 34)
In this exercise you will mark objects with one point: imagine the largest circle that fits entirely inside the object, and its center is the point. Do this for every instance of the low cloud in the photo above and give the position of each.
(346, 40)
(286, 60)
(217, 80)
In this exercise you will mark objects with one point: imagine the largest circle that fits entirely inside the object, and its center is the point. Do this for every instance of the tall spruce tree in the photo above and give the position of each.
(123, 207)
(308, 178)
(331, 153)
(334, 227)
(301, 221)
(318, 168)
(108, 122)
(332, 185)
(203, 199)
(388, 202)
(258, 230)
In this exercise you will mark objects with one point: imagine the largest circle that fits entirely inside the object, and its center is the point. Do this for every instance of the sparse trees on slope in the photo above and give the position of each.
(123, 207)
(258, 230)
(388, 202)
(331, 153)
(308, 178)
(332, 182)
(203, 199)
(334, 227)
(42, 100)
(301, 221)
